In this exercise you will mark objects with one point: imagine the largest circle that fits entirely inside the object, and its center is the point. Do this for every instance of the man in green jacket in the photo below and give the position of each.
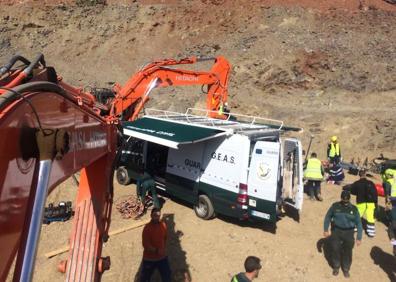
(344, 217)
(145, 185)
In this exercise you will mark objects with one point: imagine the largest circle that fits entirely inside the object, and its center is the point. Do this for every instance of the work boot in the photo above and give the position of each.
(346, 274)
(335, 271)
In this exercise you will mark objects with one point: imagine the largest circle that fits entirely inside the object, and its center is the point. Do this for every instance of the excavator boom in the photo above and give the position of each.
(132, 97)
(50, 130)
(81, 140)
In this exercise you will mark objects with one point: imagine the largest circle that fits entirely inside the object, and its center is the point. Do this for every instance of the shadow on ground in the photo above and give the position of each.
(386, 261)
(292, 213)
(177, 257)
(265, 226)
(382, 215)
(323, 246)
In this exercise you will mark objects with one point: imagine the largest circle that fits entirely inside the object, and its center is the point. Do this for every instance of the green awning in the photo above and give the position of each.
(169, 133)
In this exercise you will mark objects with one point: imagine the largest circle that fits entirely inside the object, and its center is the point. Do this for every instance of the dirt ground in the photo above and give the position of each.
(214, 250)
(326, 66)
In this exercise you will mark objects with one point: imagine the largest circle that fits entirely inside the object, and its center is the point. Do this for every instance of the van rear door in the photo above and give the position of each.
(263, 180)
(293, 187)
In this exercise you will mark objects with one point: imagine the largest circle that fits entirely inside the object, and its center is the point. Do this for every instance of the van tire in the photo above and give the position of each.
(122, 175)
(204, 208)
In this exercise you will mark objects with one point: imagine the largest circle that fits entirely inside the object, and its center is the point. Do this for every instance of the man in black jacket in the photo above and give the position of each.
(366, 200)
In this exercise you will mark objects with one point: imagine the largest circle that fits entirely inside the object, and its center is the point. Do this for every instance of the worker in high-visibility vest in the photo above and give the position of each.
(333, 150)
(390, 199)
(314, 173)
(387, 174)
(366, 200)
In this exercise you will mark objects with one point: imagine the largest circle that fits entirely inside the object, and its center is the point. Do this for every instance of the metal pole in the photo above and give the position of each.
(29, 257)
(75, 180)
(309, 147)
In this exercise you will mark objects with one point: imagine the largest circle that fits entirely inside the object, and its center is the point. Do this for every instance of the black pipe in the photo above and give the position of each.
(11, 62)
(202, 59)
(39, 59)
(16, 93)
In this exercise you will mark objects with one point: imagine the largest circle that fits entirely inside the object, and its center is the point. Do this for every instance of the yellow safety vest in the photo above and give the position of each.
(313, 170)
(393, 183)
(388, 171)
(221, 110)
(334, 150)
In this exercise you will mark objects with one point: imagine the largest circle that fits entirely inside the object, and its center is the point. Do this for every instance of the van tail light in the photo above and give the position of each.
(242, 199)
(243, 195)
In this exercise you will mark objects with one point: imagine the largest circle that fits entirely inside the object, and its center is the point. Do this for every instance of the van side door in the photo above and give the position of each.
(183, 171)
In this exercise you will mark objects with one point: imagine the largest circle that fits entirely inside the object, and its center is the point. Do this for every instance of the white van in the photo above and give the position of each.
(242, 169)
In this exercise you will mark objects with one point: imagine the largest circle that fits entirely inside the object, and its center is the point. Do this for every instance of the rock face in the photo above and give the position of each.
(327, 66)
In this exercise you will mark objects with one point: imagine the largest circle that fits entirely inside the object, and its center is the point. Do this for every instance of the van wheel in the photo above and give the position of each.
(122, 175)
(204, 209)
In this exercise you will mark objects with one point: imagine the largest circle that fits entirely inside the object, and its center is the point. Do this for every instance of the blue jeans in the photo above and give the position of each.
(148, 268)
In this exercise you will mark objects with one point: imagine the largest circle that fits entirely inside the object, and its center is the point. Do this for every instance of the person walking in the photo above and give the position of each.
(252, 269)
(314, 172)
(390, 200)
(344, 218)
(154, 239)
(334, 151)
(366, 200)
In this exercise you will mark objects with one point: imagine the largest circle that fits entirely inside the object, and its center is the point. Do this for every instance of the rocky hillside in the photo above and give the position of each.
(327, 66)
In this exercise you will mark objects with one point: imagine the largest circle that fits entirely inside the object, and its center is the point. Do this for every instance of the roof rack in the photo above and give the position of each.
(234, 122)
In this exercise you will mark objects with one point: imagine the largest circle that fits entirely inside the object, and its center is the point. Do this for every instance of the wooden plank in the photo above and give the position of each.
(57, 252)
(132, 226)
(111, 233)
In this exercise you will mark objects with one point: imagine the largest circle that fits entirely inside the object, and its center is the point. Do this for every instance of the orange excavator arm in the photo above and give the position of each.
(83, 135)
(130, 99)
(48, 131)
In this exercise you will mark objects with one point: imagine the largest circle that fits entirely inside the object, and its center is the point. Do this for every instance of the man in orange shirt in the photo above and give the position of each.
(154, 242)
